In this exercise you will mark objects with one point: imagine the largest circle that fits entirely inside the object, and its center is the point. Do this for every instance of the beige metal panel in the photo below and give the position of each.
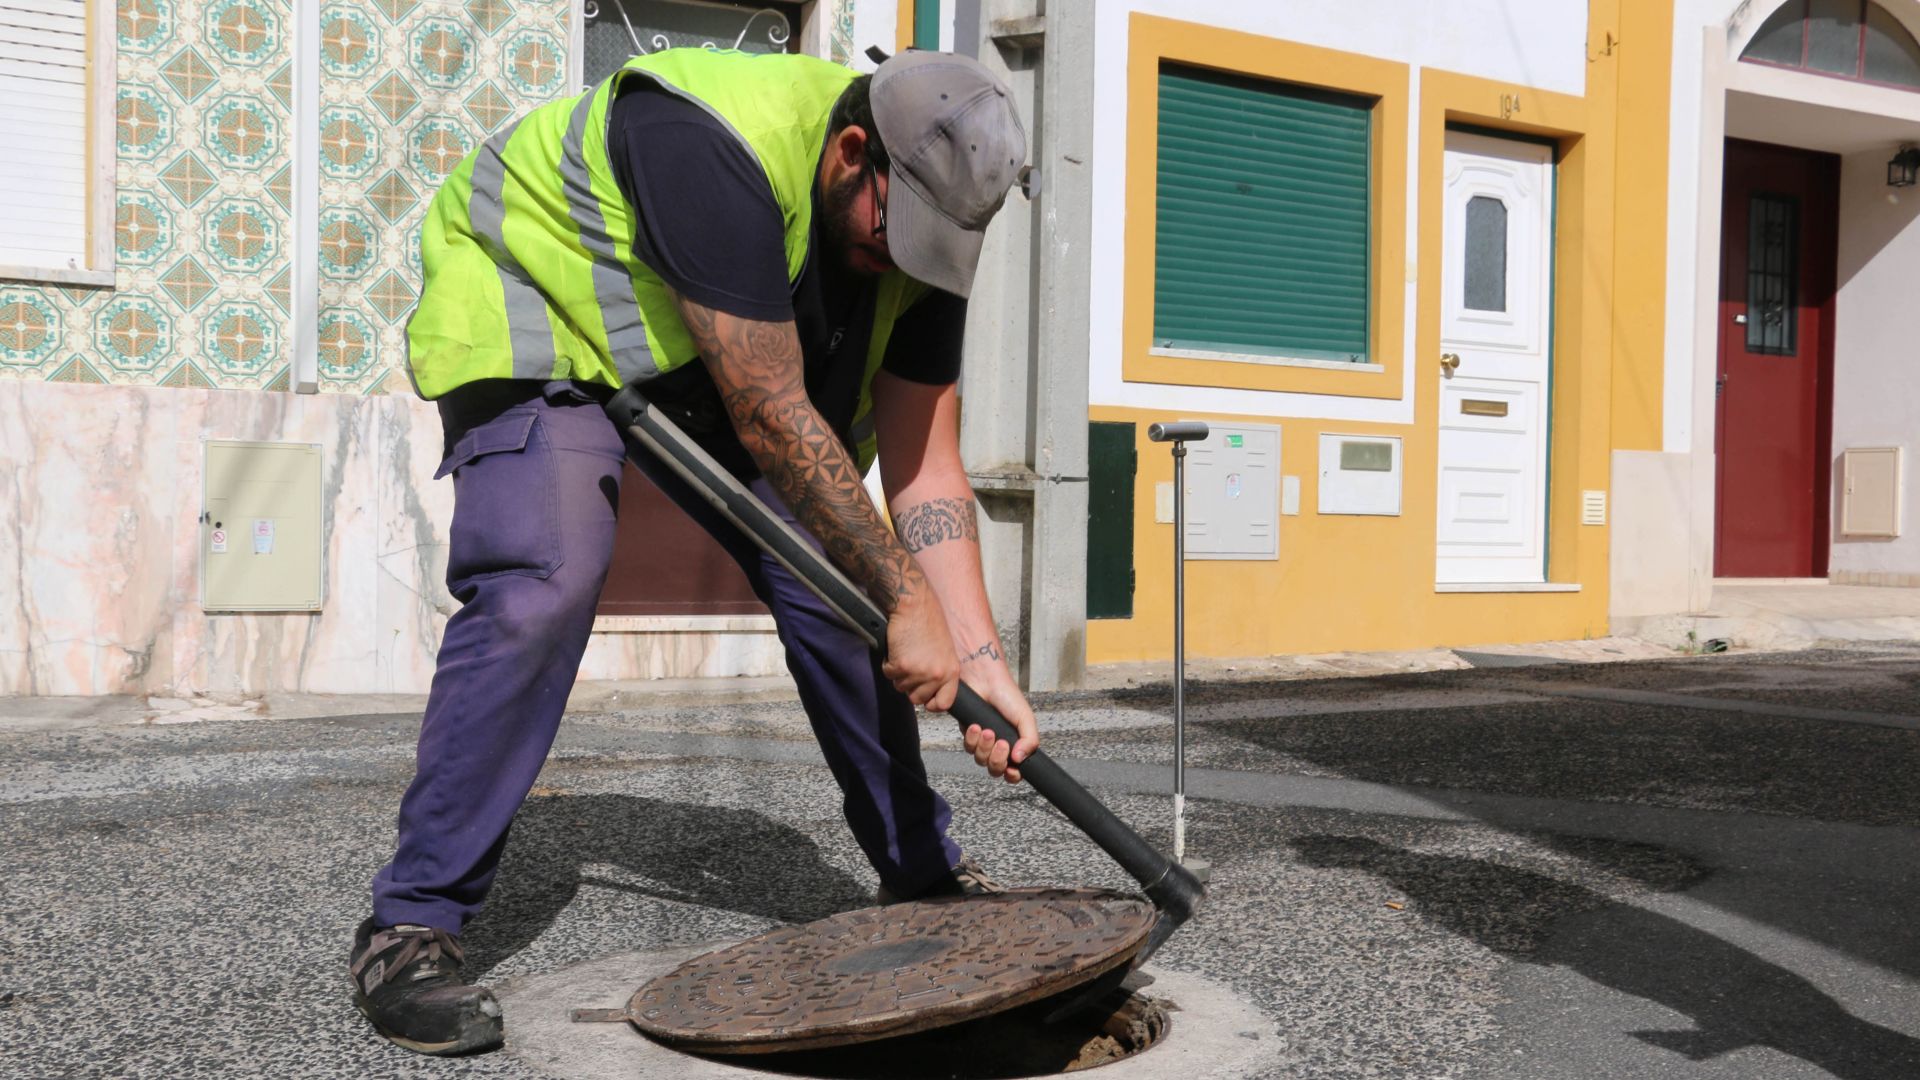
(261, 530)
(1870, 491)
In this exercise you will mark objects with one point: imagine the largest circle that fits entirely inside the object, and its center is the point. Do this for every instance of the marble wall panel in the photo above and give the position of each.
(682, 654)
(86, 566)
(412, 602)
(101, 492)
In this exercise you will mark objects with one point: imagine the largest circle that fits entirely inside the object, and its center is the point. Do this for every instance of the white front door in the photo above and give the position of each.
(1497, 247)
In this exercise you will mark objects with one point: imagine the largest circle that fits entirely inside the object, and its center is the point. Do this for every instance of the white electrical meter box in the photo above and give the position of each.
(260, 527)
(1233, 493)
(1360, 474)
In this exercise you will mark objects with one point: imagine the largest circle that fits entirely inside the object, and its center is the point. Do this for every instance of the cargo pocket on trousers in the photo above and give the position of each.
(505, 517)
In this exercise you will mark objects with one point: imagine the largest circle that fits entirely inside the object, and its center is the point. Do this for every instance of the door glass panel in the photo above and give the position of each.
(618, 30)
(1486, 251)
(1778, 41)
(1773, 273)
(1833, 36)
(1892, 54)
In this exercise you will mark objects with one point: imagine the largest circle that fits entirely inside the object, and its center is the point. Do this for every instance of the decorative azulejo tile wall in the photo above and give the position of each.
(200, 221)
(407, 89)
(204, 187)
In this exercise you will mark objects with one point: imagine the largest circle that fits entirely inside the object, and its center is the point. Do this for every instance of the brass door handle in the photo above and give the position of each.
(1449, 362)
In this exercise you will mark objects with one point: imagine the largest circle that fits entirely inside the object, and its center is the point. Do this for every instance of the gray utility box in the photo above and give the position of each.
(260, 532)
(1233, 493)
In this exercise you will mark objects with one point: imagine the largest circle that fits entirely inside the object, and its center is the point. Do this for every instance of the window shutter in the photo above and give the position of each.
(1262, 218)
(43, 128)
(1110, 476)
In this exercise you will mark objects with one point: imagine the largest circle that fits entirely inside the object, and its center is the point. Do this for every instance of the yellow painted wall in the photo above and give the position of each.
(1643, 53)
(1340, 583)
(1347, 582)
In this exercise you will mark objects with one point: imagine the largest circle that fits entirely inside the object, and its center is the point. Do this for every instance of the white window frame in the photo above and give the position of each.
(101, 83)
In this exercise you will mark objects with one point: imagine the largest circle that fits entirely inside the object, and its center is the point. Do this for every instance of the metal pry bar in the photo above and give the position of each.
(1174, 891)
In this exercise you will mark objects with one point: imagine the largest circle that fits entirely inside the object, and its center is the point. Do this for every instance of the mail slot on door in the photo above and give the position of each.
(1477, 407)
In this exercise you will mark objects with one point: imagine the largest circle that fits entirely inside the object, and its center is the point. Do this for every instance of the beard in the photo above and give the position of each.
(836, 224)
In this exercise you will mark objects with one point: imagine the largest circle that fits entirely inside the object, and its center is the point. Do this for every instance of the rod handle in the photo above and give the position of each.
(1139, 859)
(1177, 431)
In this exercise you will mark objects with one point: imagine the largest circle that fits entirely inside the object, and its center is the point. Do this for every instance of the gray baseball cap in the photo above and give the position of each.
(956, 145)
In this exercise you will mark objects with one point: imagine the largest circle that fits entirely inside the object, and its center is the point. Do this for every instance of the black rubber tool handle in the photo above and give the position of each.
(1172, 888)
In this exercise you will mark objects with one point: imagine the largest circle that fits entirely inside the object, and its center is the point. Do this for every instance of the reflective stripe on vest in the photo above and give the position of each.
(613, 284)
(527, 327)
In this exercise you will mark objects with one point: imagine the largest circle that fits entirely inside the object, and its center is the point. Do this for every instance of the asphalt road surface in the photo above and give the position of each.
(1690, 869)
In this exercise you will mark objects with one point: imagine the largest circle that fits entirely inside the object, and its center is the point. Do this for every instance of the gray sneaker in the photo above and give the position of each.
(407, 981)
(965, 879)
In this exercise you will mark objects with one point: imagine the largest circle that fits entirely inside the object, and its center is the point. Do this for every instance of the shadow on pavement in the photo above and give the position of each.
(691, 853)
(1722, 764)
(1734, 998)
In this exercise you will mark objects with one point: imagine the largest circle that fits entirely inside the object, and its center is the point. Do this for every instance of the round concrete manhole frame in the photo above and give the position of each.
(1214, 1033)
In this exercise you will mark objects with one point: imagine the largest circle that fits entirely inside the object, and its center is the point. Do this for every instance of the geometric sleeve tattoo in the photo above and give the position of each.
(925, 524)
(757, 367)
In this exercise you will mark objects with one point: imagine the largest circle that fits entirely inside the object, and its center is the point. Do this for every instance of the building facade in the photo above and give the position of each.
(1386, 250)
(1787, 408)
(210, 238)
(1458, 286)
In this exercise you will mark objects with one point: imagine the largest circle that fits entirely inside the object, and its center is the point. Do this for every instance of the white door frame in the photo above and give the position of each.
(1501, 364)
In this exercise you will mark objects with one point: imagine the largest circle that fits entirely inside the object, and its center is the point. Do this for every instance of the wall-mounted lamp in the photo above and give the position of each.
(1904, 169)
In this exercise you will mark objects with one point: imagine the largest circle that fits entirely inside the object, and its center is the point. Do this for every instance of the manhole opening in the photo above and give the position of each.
(1002, 1046)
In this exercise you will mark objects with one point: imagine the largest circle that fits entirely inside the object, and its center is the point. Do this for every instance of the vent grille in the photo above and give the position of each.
(1593, 508)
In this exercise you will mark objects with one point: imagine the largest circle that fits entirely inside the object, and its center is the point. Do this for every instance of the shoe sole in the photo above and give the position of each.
(489, 1036)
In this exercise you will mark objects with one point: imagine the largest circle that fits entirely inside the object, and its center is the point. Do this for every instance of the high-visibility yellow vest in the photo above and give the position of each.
(530, 269)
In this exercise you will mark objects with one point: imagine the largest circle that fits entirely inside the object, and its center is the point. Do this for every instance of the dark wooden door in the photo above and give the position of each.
(1773, 408)
(664, 564)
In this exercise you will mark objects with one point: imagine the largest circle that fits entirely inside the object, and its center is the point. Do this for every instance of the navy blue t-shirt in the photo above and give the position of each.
(707, 223)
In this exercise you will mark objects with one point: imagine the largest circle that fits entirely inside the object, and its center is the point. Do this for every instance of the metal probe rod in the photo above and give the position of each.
(1178, 433)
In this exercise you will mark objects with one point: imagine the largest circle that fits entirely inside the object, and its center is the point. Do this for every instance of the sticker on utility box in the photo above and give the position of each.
(263, 536)
(219, 541)
(1236, 440)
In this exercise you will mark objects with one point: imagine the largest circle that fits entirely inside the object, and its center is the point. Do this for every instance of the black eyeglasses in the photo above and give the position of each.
(879, 205)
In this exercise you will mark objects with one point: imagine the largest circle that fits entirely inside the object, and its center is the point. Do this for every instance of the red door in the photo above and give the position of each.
(1779, 226)
(699, 577)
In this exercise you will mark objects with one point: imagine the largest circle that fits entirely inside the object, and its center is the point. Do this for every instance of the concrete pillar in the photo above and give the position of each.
(1023, 429)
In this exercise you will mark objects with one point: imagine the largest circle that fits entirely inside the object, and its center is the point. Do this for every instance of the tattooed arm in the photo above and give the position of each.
(932, 504)
(757, 367)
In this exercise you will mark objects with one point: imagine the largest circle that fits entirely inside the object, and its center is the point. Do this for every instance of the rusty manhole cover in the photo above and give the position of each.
(877, 972)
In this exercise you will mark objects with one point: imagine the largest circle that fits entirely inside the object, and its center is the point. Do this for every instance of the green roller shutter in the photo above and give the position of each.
(1111, 467)
(926, 24)
(1262, 217)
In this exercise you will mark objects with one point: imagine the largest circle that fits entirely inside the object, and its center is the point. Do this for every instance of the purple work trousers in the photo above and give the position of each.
(536, 482)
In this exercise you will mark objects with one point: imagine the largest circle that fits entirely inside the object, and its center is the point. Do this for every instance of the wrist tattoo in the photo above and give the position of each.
(935, 521)
(989, 651)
